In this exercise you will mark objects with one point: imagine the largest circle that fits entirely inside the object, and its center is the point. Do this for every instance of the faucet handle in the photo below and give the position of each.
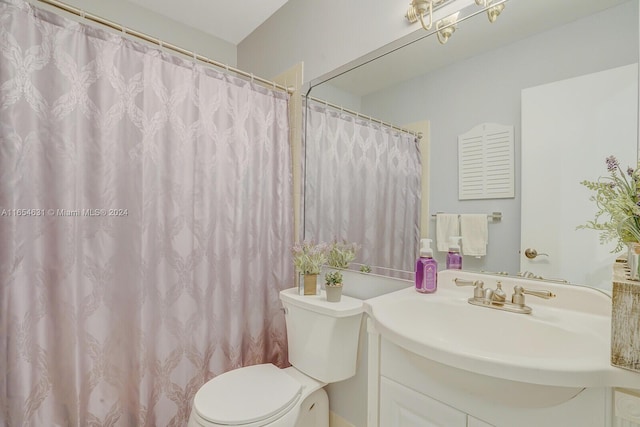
(478, 292)
(519, 291)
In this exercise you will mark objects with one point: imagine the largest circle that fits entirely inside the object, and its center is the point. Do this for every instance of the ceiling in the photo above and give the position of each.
(229, 20)
(520, 19)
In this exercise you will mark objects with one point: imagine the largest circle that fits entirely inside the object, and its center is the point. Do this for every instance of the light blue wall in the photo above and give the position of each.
(486, 88)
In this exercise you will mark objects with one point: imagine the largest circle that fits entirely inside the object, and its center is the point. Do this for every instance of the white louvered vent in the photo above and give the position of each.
(486, 163)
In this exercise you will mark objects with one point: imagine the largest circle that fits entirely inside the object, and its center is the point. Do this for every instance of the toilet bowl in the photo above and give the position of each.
(323, 344)
(261, 396)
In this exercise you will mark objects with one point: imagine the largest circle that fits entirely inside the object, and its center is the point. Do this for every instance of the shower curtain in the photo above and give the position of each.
(362, 184)
(145, 225)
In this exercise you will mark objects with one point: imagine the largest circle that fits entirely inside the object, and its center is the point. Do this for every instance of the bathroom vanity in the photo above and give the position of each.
(445, 359)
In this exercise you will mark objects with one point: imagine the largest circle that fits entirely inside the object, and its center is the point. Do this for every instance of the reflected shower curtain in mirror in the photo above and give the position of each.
(146, 223)
(362, 184)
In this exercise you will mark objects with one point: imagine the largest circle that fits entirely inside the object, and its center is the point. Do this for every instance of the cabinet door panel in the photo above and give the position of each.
(474, 422)
(403, 407)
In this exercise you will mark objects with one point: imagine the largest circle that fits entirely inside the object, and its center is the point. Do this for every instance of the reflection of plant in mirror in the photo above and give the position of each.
(333, 278)
(342, 253)
(365, 269)
(617, 197)
(309, 257)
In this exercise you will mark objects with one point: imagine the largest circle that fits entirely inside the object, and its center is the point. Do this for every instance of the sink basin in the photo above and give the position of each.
(447, 323)
(552, 354)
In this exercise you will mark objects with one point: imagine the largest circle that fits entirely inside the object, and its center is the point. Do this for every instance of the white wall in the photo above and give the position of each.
(153, 24)
(316, 31)
(326, 34)
(455, 99)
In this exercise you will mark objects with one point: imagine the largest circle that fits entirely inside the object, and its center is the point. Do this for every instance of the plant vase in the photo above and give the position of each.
(633, 260)
(334, 292)
(310, 284)
(625, 322)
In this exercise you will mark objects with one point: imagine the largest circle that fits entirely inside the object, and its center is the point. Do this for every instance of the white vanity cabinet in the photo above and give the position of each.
(474, 422)
(411, 392)
(436, 360)
(401, 406)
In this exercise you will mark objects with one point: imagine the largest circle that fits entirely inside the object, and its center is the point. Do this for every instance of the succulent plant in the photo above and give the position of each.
(333, 278)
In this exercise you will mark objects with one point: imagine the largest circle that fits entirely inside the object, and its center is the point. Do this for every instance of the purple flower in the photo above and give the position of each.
(630, 171)
(612, 163)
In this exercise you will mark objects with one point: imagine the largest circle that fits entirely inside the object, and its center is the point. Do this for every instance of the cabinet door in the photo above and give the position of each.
(474, 422)
(402, 407)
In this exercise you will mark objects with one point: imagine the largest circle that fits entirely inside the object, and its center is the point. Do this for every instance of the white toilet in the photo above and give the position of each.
(323, 347)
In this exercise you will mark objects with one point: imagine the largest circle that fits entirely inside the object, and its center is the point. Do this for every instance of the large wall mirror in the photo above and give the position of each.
(533, 57)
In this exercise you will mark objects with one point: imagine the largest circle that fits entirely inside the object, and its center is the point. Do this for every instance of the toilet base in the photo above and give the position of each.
(314, 410)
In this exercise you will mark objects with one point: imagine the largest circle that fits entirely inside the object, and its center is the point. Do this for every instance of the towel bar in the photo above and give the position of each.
(495, 216)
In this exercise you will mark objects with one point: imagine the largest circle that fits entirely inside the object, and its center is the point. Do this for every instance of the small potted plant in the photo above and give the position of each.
(341, 253)
(308, 258)
(333, 286)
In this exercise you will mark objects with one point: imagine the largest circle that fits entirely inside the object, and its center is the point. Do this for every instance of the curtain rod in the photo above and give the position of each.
(102, 21)
(363, 116)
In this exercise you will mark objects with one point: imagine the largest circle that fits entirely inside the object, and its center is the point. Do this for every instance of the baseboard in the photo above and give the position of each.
(336, 420)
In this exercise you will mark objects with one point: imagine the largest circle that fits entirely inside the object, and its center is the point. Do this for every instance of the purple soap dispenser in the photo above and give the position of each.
(454, 259)
(426, 269)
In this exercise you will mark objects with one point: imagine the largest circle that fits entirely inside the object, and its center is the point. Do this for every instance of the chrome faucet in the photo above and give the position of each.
(497, 298)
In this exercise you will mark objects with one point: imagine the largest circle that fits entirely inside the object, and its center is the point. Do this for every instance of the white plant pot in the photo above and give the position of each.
(334, 293)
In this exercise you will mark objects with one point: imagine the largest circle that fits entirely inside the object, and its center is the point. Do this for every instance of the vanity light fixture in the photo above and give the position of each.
(418, 9)
(422, 10)
(446, 27)
(492, 12)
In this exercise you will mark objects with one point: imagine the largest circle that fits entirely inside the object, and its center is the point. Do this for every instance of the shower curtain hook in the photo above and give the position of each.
(251, 77)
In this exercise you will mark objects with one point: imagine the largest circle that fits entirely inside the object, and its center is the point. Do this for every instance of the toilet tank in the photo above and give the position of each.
(322, 336)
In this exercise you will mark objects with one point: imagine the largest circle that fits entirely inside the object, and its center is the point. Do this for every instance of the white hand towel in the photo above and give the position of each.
(447, 225)
(475, 234)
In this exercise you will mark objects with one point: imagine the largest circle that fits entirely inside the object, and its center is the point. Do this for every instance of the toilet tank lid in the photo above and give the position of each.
(347, 306)
(247, 395)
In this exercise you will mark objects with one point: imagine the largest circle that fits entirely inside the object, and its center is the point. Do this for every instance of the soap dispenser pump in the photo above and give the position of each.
(454, 259)
(426, 269)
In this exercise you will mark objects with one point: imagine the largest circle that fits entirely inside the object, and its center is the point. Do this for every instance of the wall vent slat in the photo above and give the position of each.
(486, 163)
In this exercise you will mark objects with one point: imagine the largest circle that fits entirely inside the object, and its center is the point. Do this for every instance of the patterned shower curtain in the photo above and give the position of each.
(145, 225)
(362, 184)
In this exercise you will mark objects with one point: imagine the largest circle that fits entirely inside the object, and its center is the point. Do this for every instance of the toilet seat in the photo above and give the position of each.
(250, 396)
